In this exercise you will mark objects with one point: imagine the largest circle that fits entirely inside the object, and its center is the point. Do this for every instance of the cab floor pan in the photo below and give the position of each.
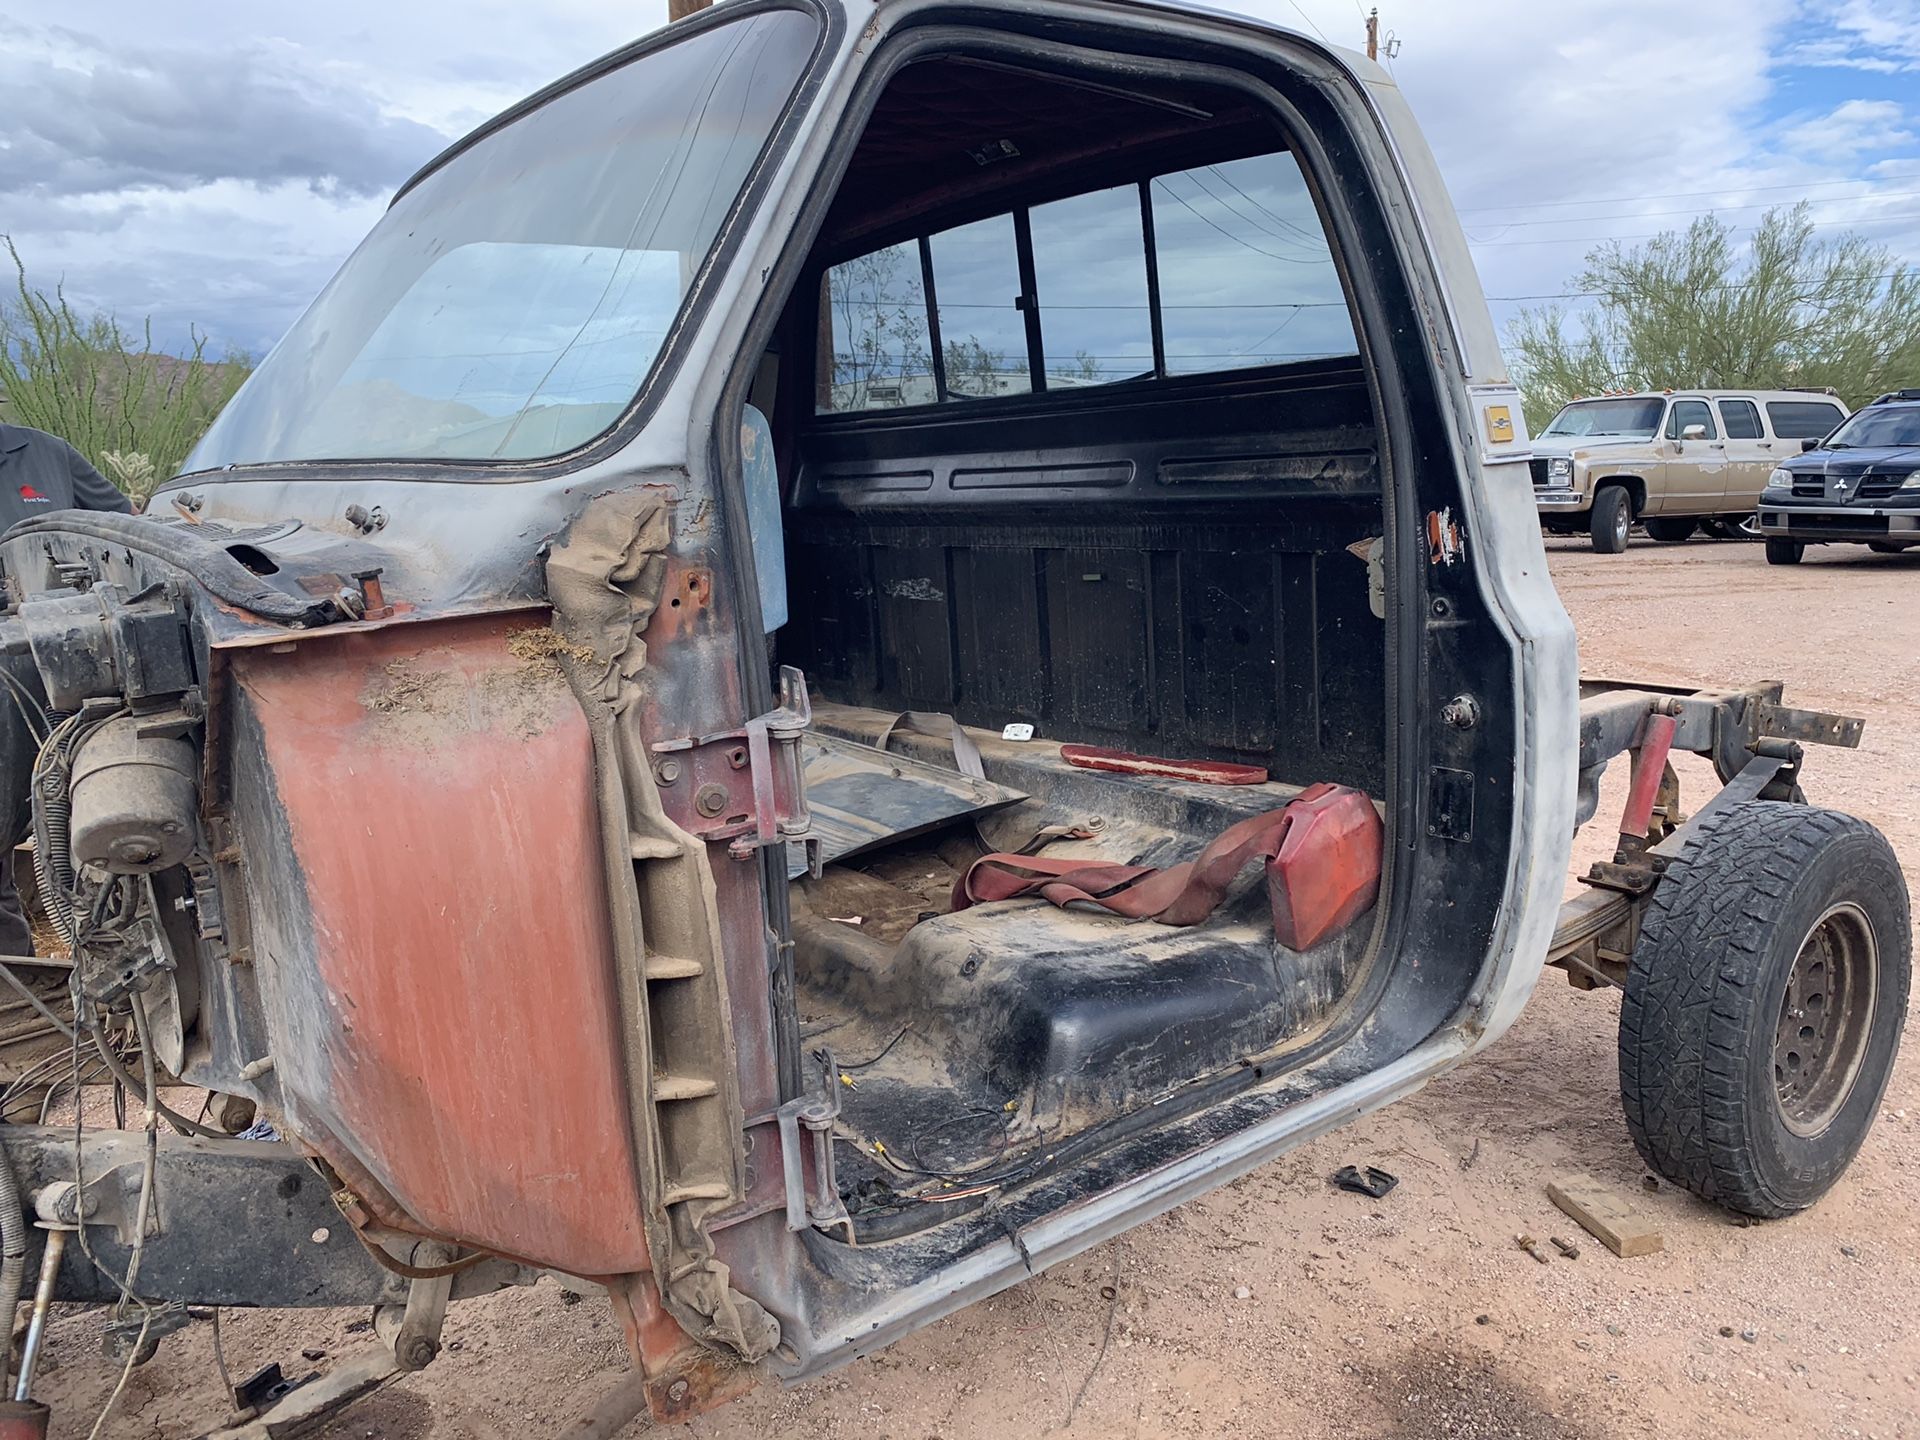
(965, 1043)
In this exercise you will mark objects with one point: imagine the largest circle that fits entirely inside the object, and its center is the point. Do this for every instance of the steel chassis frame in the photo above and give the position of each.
(1757, 745)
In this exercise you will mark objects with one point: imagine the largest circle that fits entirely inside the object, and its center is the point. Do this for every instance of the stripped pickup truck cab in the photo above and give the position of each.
(858, 647)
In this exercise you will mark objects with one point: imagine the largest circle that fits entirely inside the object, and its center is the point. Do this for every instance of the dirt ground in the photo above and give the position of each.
(1280, 1307)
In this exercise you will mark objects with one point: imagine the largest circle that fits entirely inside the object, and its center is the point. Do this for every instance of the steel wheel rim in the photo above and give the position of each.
(1622, 523)
(1826, 1019)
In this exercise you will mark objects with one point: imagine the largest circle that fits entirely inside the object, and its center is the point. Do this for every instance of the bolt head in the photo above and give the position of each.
(678, 1391)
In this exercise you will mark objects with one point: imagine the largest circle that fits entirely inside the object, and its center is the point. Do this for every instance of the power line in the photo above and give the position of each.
(1246, 219)
(1238, 240)
(1010, 308)
(1309, 19)
(1314, 238)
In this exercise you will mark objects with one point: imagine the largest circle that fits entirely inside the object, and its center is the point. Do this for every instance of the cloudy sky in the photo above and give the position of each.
(211, 162)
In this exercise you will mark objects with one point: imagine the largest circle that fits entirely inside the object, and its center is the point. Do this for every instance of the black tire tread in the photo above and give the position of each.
(1695, 981)
(1671, 530)
(1601, 518)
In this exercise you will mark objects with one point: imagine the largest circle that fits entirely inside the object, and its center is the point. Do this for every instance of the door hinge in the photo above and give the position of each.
(744, 786)
(820, 1207)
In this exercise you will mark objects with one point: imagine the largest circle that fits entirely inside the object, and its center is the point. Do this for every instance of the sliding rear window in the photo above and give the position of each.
(1216, 268)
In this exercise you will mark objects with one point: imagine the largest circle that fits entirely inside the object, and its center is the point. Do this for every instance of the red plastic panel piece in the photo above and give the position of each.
(1201, 772)
(1327, 872)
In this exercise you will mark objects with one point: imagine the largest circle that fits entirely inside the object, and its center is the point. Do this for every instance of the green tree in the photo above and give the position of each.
(1691, 308)
(973, 369)
(879, 325)
(1083, 366)
(133, 411)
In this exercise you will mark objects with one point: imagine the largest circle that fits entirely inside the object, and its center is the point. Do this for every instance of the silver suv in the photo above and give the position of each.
(1679, 460)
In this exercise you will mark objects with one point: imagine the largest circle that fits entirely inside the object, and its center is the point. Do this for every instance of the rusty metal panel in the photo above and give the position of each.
(444, 1021)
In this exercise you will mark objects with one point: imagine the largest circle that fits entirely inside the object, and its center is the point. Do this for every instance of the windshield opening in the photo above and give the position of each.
(512, 304)
(1876, 429)
(1637, 417)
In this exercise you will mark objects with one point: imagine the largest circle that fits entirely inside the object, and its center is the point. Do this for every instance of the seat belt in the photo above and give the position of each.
(935, 726)
(1322, 854)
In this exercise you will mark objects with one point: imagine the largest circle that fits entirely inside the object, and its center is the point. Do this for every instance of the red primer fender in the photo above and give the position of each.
(448, 1016)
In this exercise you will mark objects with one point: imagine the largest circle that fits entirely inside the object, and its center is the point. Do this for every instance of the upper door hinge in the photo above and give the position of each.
(744, 786)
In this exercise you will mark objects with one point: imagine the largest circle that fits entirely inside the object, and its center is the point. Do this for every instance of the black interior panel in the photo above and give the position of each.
(1165, 570)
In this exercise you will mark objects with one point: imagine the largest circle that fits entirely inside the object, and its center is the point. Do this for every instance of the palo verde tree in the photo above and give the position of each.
(880, 337)
(134, 412)
(1692, 308)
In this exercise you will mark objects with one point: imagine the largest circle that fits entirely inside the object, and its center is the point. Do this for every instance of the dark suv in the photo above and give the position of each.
(1860, 485)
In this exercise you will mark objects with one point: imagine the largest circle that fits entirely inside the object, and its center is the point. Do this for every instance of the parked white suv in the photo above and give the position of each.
(1675, 459)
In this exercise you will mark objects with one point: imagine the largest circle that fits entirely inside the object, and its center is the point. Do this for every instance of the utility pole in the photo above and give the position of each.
(681, 9)
(1373, 32)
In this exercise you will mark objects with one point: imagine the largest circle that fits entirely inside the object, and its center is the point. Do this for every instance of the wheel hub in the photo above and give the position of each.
(1826, 1017)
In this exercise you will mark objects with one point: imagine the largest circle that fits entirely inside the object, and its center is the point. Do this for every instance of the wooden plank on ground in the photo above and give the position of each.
(1605, 1213)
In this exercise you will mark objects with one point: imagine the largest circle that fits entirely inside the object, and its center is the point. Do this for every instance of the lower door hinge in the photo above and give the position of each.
(820, 1205)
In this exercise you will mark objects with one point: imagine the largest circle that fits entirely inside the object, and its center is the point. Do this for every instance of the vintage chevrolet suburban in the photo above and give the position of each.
(858, 647)
(1675, 460)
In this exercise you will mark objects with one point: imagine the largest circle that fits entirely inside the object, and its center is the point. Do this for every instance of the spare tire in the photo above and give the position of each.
(1764, 1005)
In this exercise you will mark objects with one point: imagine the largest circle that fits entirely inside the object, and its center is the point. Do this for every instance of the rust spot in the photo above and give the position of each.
(686, 603)
(1446, 541)
(683, 1378)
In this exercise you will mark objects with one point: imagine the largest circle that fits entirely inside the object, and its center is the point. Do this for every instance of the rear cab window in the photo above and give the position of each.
(1218, 268)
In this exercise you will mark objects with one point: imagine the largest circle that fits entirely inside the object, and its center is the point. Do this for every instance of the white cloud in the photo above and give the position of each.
(1852, 130)
(1527, 106)
(1644, 113)
(1881, 36)
(212, 166)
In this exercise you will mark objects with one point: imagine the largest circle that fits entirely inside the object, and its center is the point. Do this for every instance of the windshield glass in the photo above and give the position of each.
(1891, 426)
(511, 305)
(1637, 416)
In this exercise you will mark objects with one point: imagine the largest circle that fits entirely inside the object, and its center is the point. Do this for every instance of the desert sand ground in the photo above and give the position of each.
(1280, 1307)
